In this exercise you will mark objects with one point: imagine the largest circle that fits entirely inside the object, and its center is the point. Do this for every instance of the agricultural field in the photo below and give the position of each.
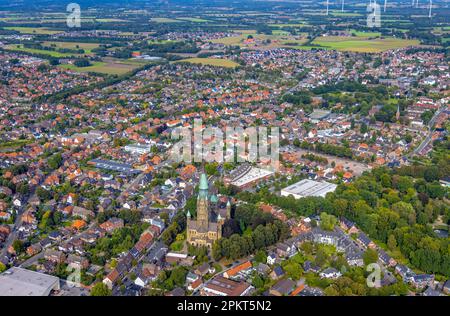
(87, 47)
(108, 66)
(250, 39)
(362, 45)
(21, 48)
(196, 20)
(211, 62)
(365, 34)
(32, 30)
(344, 14)
(164, 20)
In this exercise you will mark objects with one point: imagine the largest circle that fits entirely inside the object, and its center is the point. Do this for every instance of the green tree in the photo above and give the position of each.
(370, 256)
(100, 289)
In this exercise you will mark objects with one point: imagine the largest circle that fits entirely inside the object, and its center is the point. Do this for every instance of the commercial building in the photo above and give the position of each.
(21, 282)
(308, 187)
(248, 177)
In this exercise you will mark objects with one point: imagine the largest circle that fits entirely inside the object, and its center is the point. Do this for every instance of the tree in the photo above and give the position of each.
(55, 161)
(211, 169)
(261, 256)
(18, 246)
(370, 256)
(100, 289)
(2, 267)
(392, 242)
(327, 221)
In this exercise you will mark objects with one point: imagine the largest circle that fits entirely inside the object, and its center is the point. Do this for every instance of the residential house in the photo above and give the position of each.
(330, 273)
(233, 272)
(282, 287)
(220, 286)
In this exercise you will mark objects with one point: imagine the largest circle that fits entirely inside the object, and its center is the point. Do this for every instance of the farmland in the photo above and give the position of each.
(211, 62)
(108, 66)
(362, 45)
(21, 48)
(32, 30)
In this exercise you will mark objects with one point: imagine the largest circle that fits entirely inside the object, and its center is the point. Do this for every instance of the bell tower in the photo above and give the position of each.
(203, 203)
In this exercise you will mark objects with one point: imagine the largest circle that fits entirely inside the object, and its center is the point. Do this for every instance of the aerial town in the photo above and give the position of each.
(95, 200)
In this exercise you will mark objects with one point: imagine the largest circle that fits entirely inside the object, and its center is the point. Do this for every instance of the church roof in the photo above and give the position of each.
(203, 182)
(214, 198)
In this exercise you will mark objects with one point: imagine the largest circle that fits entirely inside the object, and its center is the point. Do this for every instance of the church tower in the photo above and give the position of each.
(397, 115)
(228, 216)
(203, 203)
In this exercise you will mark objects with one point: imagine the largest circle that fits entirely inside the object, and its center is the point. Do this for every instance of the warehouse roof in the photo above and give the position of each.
(21, 282)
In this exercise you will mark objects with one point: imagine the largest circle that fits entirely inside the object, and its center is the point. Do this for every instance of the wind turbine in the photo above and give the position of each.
(342, 9)
(385, 4)
(417, 3)
(327, 6)
(431, 5)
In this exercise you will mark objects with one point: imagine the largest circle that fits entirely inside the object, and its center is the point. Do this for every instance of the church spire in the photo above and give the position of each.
(203, 203)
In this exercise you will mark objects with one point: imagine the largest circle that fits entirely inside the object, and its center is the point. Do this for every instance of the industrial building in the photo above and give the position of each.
(247, 176)
(21, 282)
(308, 187)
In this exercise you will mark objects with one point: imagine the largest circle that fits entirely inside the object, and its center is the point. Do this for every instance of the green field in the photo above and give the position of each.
(110, 20)
(348, 14)
(20, 48)
(32, 30)
(365, 34)
(87, 47)
(362, 45)
(165, 20)
(278, 39)
(108, 67)
(196, 20)
(211, 62)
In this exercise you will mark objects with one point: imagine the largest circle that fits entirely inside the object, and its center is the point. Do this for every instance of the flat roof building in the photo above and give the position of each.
(308, 187)
(251, 176)
(220, 286)
(22, 282)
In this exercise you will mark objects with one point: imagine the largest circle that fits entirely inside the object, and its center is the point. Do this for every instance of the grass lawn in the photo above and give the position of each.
(211, 62)
(177, 245)
(20, 48)
(32, 30)
(363, 45)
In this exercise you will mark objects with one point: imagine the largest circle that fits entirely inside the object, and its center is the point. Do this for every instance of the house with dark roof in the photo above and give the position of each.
(386, 259)
(277, 273)
(365, 241)
(282, 287)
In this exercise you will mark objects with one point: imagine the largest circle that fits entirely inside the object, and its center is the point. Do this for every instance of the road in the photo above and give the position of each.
(18, 222)
(428, 139)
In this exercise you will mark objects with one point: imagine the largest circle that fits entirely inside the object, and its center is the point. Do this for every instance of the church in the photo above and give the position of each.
(211, 215)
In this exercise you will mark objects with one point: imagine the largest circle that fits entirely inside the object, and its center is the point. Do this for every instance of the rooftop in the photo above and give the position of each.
(308, 187)
(21, 282)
